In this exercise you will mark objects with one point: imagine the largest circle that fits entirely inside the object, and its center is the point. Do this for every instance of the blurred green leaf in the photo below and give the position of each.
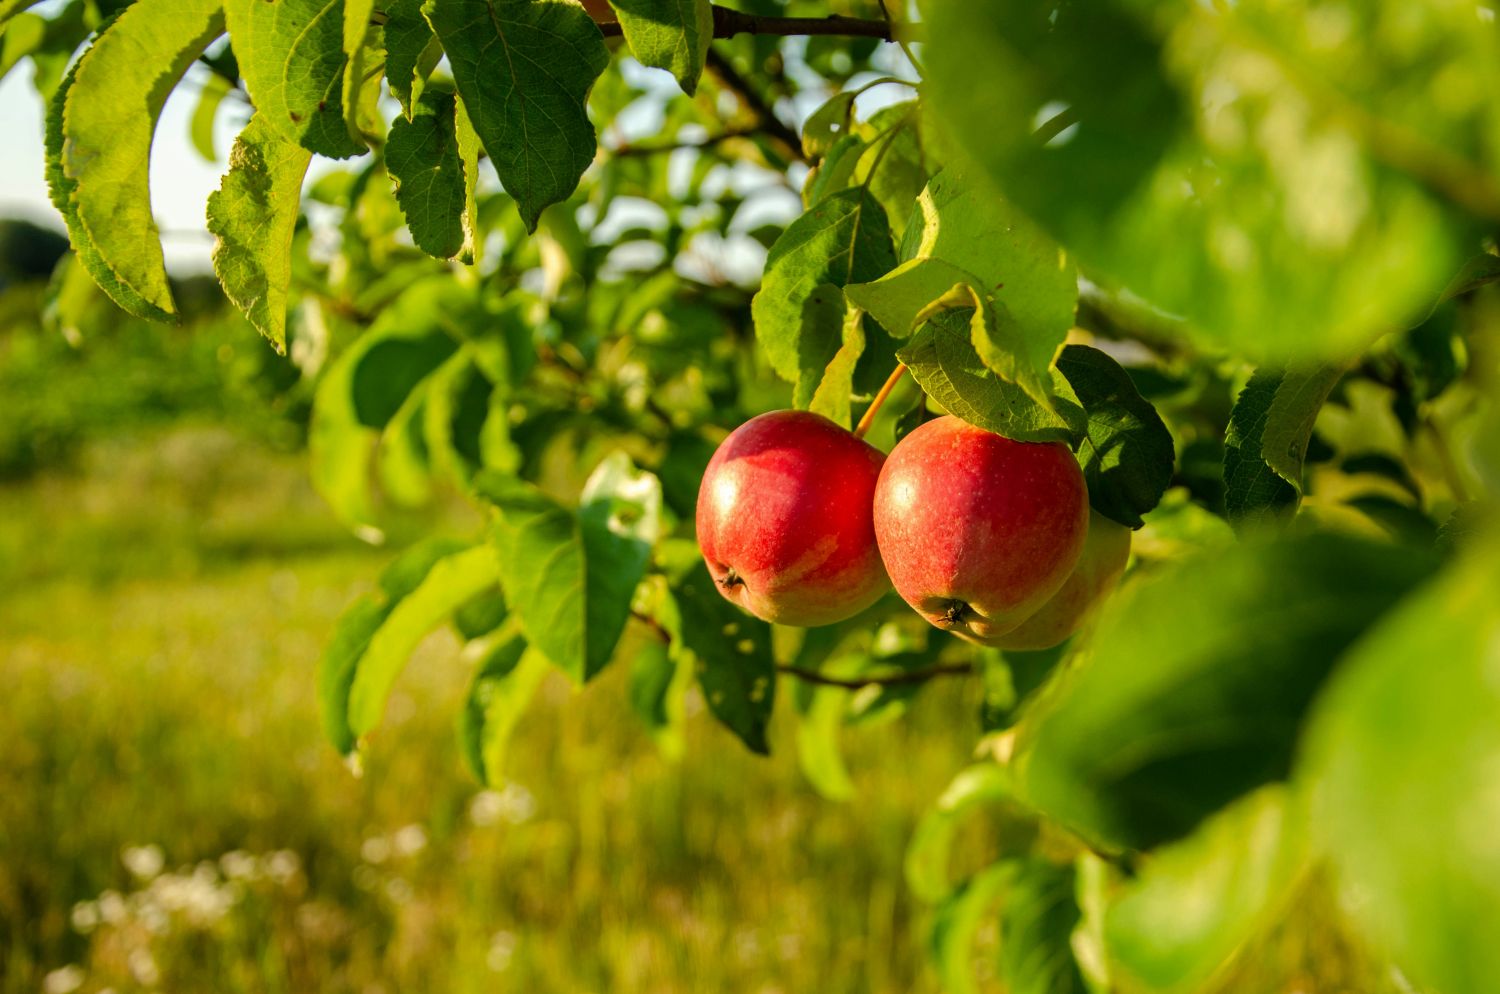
(21, 36)
(358, 33)
(1129, 454)
(358, 625)
(99, 144)
(422, 157)
(1166, 722)
(1199, 900)
(1038, 914)
(1400, 763)
(291, 55)
(253, 216)
(503, 687)
(957, 919)
(524, 70)
(1308, 200)
(448, 585)
(669, 34)
(828, 123)
(927, 872)
(205, 112)
(799, 312)
(659, 681)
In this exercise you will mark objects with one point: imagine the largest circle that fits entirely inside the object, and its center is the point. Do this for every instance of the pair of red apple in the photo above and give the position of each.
(803, 523)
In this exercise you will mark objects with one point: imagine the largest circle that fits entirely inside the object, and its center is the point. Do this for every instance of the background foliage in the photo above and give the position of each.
(1238, 256)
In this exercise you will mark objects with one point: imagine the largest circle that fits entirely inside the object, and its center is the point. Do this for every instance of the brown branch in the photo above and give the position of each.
(893, 680)
(775, 127)
(709, 142)
(728, 23)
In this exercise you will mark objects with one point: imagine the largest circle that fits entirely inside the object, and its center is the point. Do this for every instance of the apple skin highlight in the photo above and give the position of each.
(977, 531)
(1105, 554)
(785, 520)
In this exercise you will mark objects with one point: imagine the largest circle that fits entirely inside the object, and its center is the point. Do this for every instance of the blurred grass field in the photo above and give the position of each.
(171, 819)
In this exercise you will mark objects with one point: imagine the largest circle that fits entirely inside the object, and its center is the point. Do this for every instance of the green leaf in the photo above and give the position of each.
(205, 113)
(893, 166)
(833, 120)
(977, 786)
(1166, 722)
(291, 55)
(731, 654)
(1289, 422)
(102, 150)
(1481, 269)
(1267, 441)
(659, 681)
(1030, 277)
(358, 625)
(799, 311)
(524, 69)
(1198, 901)
(942, 360)
(1130, 456)
(10, 8)
(820, 715)
(503, 687)
(1253, 492)
(831, 399)
(899, 299)
(1037, 917)
(253, 216)
(570, 576)
(1400, 763)
(468, 154)
(956, 922)
(411, 51)
(1306, 193)
(21, 36)
(448, 585)
(669, 34)
(422, 157)
(835, 172)
(357, 33)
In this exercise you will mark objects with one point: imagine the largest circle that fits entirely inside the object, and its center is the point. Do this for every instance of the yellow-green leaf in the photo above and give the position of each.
(669, 34)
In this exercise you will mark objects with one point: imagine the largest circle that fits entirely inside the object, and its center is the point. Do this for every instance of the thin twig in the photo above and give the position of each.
(728, 23)
(875, 405)
(890, 680)
(624, 151)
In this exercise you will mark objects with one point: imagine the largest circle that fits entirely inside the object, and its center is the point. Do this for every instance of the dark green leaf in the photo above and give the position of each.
(1253, 492)
(411, 51)
(956, 921)
(669, 34)
(570, 576)
(1128, 453)
(524, 69)
(422, 158)
(731, 650)
(927, 872)
(291, 54)
(253, 216)
(1165, 723)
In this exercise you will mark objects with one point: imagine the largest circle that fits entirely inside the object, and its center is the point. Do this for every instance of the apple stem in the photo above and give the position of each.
(885, 391)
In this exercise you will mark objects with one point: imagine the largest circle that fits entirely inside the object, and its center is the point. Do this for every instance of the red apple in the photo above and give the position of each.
(979, 531)
(785, 523)
(1099, 568)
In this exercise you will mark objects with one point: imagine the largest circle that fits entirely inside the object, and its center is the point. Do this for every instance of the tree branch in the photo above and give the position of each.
(709, 142)
(728, 23)
(774, 126)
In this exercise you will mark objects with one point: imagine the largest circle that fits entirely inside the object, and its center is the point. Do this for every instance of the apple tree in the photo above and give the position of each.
(1230, 265)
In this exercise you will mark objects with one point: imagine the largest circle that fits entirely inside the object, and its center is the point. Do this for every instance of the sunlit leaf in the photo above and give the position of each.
(669, 34)
(291, 55)
(422, 157)
(253, 215)
(507, 679)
